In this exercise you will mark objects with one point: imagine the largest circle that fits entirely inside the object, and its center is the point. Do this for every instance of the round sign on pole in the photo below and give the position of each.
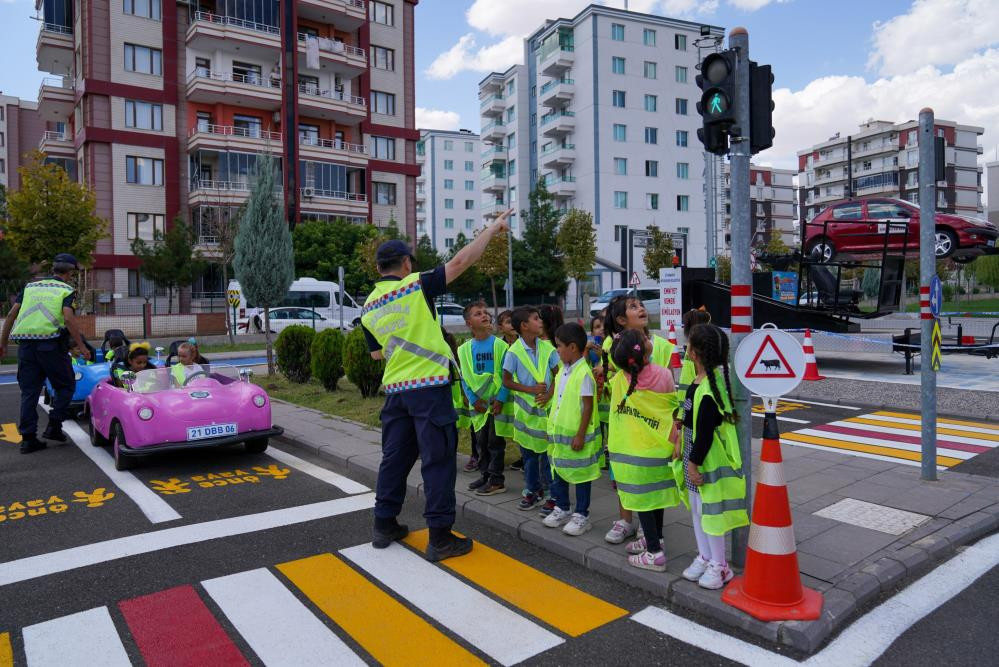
(770, 362)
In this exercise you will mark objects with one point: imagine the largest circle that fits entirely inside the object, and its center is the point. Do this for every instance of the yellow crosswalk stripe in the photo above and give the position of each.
(6, 652)
(367, 613)
(941, 420)
(870, 449)
(917, 427)
(546, 598)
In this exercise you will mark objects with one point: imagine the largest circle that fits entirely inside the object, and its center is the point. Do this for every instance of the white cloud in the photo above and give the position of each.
(437, 119)
(934, 32)
(753, 5)
(519, 17)
(466, 55)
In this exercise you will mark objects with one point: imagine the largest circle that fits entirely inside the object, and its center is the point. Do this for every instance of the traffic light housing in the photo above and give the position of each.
(717, 105)
(761, 108)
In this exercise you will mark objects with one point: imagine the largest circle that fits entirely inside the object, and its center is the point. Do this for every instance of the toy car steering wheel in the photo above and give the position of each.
(194, 375)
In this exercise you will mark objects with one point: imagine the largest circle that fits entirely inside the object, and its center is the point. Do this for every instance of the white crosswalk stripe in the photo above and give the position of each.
(86, 639)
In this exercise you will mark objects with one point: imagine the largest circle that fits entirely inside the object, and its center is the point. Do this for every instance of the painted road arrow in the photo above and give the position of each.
(9, 433)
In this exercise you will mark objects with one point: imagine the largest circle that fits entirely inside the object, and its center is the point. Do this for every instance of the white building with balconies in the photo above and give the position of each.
(448, 187)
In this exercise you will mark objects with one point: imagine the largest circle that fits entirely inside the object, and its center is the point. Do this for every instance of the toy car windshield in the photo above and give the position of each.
(151, 381)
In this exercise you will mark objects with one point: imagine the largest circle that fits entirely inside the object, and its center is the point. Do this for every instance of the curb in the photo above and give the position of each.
(881, 574)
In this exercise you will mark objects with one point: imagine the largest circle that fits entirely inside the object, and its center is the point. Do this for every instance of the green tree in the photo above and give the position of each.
(52, 213)
(577, 241)
(265, 258)
(322, 247)
(171, 260)
(659, 252)
(493, 264)
(723, 269)
(774, 247)
(870, 282)
(987, 271)
(427, 256)
(537, 262)
(470, 284)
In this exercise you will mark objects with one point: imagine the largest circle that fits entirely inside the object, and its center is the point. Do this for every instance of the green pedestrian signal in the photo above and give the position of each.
(713, 263)
(717, 104)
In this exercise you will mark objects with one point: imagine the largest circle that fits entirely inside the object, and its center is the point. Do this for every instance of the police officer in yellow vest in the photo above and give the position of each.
(42, 321)
(418, 419)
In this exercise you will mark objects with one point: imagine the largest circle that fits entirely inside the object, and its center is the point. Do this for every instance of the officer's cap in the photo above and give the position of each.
(394, 249)
(66, 258)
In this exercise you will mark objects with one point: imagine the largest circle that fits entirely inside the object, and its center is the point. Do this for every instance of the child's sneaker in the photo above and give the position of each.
(517, 465)
(548, 507)
(472, 465)
(529, 501)
(557, 517)
(577, 525)
(648, 561)
(490, 489)
(477, 484)
(696, 569)
(619, 531)
(715, 576)
(637, 547)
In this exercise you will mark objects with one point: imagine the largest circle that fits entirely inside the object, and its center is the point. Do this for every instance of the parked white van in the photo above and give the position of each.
(322, 296)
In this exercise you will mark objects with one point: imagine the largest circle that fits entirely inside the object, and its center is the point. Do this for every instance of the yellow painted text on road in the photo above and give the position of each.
(782, 407)
(176, 485)
(9, 433)
(26, 509)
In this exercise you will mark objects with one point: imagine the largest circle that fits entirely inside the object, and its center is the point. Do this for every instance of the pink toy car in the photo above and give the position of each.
(153, 414)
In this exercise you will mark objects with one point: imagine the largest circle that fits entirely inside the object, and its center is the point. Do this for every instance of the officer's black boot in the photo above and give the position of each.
(31, 443)
(386, 532)
(54, 432)
(445, 544)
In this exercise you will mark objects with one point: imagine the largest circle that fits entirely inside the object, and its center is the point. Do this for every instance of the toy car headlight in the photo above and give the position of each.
(259, 400)
(77, 376)
(145, 413)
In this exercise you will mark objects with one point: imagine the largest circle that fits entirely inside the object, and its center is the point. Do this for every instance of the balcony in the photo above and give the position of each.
(421, 194)
(833, 177)
(833, 157)
(492, 181)
(314, 148)
(557, 93)
(492, 84)
(252, 91)
(342, 58)
(218, 193)
(331, 104)
(494, 132)
(494, 154)
(558, 123)
(558, 156)
(56, 144)
(558, 61)
(347, 15)
(494, 208)
(493, 105)
(213, 32)
(563, 188)
(875, 149)
(54, 49)
(336, 202)
(56, 98)
(205, 136)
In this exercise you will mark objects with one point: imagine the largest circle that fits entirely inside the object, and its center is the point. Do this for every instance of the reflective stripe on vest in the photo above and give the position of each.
(485, 386)
(530, 421)
(563, 425)
(40, 316)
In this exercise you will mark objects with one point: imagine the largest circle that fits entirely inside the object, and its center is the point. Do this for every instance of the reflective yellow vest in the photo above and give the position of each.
(483, 385)
(563, 424)
(662, 350)
(40, 316)
(180, 372)
(530, 421)
(687, 375)
(640, 450)
(461, 406)
(416, 354)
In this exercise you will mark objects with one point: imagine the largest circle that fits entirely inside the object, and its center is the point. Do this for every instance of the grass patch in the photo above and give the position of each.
(977, 306)
(238, 347)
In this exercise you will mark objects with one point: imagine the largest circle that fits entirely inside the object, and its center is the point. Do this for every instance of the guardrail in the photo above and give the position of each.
(333, 194)
(335, 144)
(309, 89)
(55, 27)
(235, 186)
(58, 82)
(229, 77)
(54, 135)
(233, 131)
(552, 116)
(556, 82)
(221, 19)
(333, 45)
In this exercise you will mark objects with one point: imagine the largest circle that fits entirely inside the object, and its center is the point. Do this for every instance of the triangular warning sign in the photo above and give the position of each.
(774, 365)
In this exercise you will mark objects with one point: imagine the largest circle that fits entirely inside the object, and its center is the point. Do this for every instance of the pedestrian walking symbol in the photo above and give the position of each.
(769, 362)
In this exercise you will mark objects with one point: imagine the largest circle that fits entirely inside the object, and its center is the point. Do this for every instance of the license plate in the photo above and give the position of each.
(212, 431)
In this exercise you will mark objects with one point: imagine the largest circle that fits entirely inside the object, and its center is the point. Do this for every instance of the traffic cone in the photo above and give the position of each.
(811, 367)
(770, 588)
(674, 359)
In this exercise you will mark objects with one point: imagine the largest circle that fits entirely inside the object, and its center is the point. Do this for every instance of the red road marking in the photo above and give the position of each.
(175, 628)
(910, 439)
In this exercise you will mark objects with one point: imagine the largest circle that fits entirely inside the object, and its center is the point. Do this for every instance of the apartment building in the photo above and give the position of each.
(882, 159)
(993, 180)
(772, 205)
(447, 190)
(21, 132)
(165, 108)
(604, 112)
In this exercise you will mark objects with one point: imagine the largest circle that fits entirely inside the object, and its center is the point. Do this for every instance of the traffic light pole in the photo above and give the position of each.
(927, 271)
(742, 277)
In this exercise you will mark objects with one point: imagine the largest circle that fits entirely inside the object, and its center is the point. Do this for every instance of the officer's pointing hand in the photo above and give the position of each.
(501, 224)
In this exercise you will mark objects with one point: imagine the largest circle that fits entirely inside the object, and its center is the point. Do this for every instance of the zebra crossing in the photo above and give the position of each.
(895, 437)
(345, 608)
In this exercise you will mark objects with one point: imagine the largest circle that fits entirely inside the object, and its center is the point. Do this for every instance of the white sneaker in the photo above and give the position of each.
(577, 525)
(620, 531)
(715, 576)
(696, 569)
(558, 517)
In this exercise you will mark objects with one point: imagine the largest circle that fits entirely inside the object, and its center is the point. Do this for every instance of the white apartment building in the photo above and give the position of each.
(772, 205)
(447, 189)
(604, 111)
(882, 159)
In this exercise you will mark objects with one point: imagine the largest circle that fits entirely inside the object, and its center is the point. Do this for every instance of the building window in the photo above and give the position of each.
(621, 166)
(649, 37)
(143, 170)
(681, 138)
(383, 103)
(512, 168)
(469, 223)
(449, 243)
(617, 65)
(682, 170)
(382, 58)
(448, 223)
(682, 203)
(449, 165)
(511, 113)
(681, 106)
(469, 204)
(617, 32)
(250, 126)
(652, 135)
(448, 145)
(651, 103)
(449, 184)
(681, 74)
(652, 168)
(680, 42)
(149, 9)
(384, 193)
(509, 87)
(250, 73)
(511, 141)
(469, 186)
(3, 166)
(652, 201)
(381, 12)
(469, 165)
(383, 148)
(617, 98)
(143, 59)
(449, 203)
(620, 132)
(469, 148)
(650, 69)
(143, 115)
(144, 226)
(620, 199)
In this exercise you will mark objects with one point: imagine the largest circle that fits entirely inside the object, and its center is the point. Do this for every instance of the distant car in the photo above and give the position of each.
(287, 316)
(213, 408)
(859, 228)
(649, 296)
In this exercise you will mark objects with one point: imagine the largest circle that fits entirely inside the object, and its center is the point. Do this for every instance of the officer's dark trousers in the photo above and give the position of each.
(419, 424)
(36, 361)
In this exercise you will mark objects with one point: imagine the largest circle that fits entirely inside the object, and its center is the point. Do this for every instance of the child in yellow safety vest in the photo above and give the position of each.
(504, 425)
(574, 443)
(691, 319)
(712, 464)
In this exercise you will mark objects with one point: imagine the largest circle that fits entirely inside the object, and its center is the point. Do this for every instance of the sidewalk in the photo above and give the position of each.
(850, 563)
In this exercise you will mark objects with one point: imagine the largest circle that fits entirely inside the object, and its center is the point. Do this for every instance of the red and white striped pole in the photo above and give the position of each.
(742, 309)
(924, 303)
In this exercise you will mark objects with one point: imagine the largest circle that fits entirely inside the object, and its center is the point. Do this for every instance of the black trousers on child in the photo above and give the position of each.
(652, 526)
(492, 450)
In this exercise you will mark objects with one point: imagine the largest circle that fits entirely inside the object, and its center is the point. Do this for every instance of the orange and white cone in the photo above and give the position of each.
(674, 359)
(811, 366)
(770, 589)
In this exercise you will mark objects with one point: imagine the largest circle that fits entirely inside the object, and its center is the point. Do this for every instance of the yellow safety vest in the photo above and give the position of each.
(563, 424)
(640, 450)
(484, 385)
(530, 421)
(461, 406)
(687, 375)
(416, 354)
(40, 316)
(662, 350)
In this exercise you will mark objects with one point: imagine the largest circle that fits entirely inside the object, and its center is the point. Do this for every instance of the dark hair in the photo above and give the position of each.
(571, 333)
(628, 352)
(551, 319)
(503, 315)
(475, 304)
(138, 351)
(618, 307)
(692, 318)
(711, 345)
(520, 315)
(390, 265)
(595, 319)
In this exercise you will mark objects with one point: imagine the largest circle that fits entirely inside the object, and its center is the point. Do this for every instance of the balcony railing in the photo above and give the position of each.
(556, 82)
(334, 45)
(234, 186)
(552, 149)
(491, 98)
(58, 82)
(248, 79)
(233, 131)
(560, 114)
(55, 27)
(564, 179)
(309, 89)
(335, 144)
(333, 194)
(494, 124)
(54, 135)
(489, 173)
(220, 19)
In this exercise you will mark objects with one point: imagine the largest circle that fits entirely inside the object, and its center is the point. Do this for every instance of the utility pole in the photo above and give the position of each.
(709, 204)
(927, 274)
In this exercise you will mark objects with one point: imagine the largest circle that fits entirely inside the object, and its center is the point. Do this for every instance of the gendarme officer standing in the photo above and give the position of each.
(418, 420)
(39, 322)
